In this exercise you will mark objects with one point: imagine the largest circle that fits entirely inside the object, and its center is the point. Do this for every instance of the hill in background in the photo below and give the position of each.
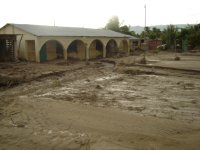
(139, 29)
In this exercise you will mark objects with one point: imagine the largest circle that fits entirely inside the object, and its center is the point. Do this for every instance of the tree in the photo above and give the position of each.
(124, 29)
(134, 34)
(113, 24)
(156, 32)
(189, 35)
(151, 33)
(147, 30)
(194, 35)
(169, 35)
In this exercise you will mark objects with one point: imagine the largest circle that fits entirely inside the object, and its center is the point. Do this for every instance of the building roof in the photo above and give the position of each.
(41, 30)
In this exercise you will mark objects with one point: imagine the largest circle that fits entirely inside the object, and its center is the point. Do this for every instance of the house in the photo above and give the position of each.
(43, 43)
(153, 44)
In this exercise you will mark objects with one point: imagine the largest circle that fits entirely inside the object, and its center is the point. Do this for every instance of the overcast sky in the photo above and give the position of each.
(96, 13)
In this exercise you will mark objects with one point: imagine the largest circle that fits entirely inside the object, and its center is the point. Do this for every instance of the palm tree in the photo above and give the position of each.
(169, 36)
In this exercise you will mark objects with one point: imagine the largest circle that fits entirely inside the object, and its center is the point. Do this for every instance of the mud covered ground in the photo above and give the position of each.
(103, 106)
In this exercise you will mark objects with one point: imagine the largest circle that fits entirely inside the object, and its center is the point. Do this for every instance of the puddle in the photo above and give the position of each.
(114, 89)
(59, 92)
(106, 78)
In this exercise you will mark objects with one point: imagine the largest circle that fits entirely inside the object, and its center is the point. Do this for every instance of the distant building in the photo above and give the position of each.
(134, 43)
(43, 43)
(153, 44)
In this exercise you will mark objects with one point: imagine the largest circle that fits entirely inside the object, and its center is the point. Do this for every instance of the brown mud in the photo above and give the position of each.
(100, 106)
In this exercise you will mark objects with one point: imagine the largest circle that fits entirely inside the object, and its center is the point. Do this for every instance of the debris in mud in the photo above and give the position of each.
(90, 97)
(99, 64)
(19, 119)
(188, 86)
(121, 63)
(119, 79)
(87, 63)
(177, 58)
(194, 101)
(15, 74)
(109, 61)
(173, 107)
(138, 109)
(88, 80)
(4, 102)
(143, 61)
(56, 83)
(99, 87)
(78, 142)
(64, 63)
(7, 82)
(138, 72)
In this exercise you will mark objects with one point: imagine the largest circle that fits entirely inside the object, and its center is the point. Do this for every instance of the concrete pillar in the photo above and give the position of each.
(26, 50)
(87, 52)
(129, 47)
(65, 54)
(37, 51)
(16, 51)
(104, 52)
(139, 43)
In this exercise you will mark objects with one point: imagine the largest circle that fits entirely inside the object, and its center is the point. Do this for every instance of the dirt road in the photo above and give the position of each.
(103, 107)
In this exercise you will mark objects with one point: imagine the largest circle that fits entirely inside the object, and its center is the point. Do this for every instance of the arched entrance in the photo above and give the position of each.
(43, 54)
(96, 49)
(51, 50)
(123, 46)
(111, 48)
(76, 50)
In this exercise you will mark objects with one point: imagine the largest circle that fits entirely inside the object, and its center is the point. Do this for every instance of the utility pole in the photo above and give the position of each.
(175, 43)
(145, 48)
(145, 15)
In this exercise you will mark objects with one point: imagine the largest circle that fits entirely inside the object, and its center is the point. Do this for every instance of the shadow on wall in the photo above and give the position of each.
(123, 46)
(111, 48)
(76, 50)
(96, 49)
(51, 50)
